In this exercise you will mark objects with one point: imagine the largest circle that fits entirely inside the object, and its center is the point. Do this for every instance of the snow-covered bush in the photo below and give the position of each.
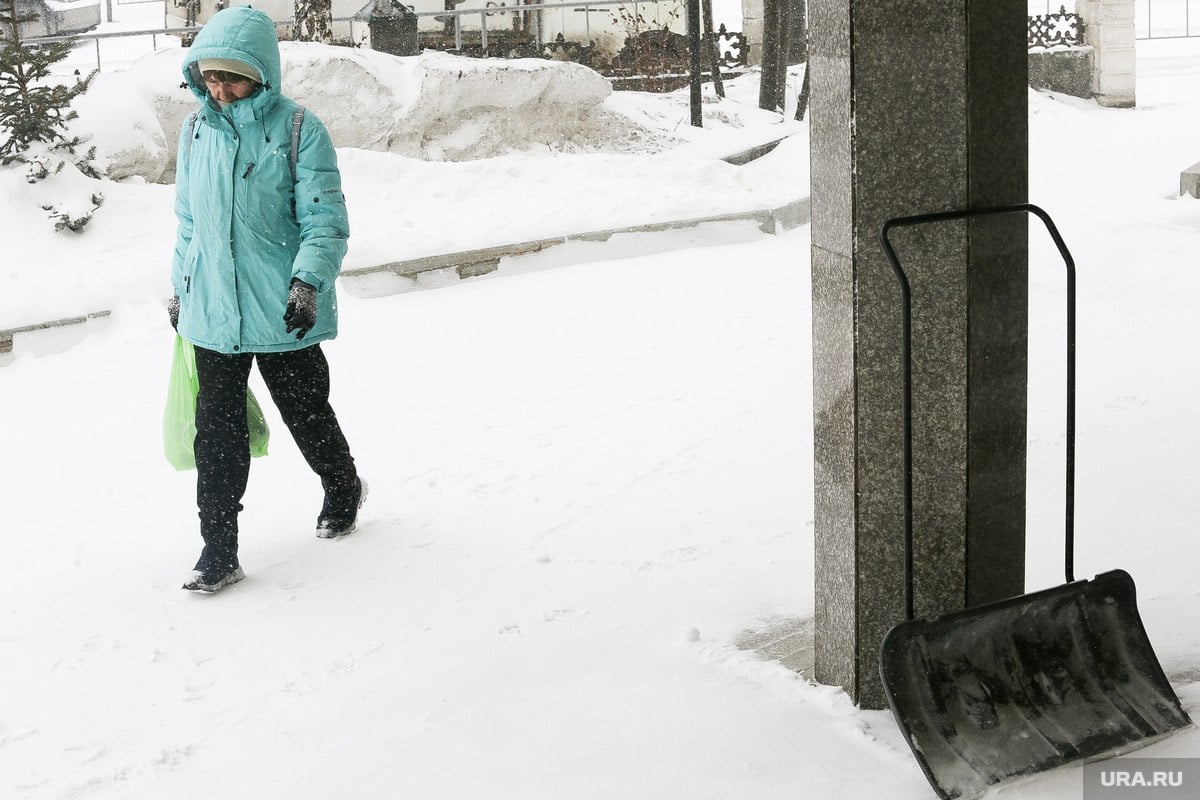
(34, 111)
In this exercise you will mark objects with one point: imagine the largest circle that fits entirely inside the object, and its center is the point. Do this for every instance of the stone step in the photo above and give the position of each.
(472, 263)
(1189, 181)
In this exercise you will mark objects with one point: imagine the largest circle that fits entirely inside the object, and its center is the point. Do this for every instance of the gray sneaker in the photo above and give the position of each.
(212, 574)
(339, 514)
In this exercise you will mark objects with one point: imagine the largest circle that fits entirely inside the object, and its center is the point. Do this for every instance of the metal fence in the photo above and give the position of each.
(1047, 6)
(731, 47)
(1167, 19)
(285, 27)
(1060, 29)
(157, 36)
(732, 51)
(538, 38)
(1152, 19)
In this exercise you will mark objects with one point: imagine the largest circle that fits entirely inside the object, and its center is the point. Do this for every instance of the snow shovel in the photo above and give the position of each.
(1030, 683)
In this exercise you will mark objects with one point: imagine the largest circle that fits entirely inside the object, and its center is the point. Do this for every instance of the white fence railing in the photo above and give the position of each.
(1167, 19)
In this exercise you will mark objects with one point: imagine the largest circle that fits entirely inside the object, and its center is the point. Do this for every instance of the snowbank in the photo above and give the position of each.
(631, 159)
(400, 208)
(435, 106)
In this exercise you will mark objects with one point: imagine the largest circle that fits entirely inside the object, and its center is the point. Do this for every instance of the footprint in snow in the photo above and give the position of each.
(85, 753)
(196, 691)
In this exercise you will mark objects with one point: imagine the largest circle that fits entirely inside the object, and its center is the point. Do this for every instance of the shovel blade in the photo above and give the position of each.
(1028, 684)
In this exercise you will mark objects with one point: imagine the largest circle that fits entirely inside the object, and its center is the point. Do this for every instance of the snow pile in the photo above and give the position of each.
(441, 107)
(435, 106)
(133, 117)
(400, 208)
(61, 188)
(123, 254)
(428, 208)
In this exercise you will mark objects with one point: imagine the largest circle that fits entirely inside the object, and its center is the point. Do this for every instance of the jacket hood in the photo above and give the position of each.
(243, 34)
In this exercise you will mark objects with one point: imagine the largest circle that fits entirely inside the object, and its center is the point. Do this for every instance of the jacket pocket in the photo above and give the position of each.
(268, 189)
(189, 268)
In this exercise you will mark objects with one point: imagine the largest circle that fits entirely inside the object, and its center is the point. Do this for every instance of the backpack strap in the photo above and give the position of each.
(293, 155)
(191, 123)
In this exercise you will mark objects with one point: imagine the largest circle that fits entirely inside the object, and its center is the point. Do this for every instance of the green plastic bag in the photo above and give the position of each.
(179, 418)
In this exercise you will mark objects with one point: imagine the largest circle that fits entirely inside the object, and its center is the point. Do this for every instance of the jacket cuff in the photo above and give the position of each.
(311, 278)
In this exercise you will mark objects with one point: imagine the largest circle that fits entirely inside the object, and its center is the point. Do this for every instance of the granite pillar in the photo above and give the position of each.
(752, 29)
(916, 107)
(1108, 26)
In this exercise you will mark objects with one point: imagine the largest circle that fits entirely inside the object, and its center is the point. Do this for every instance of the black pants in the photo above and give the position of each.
(299, 386)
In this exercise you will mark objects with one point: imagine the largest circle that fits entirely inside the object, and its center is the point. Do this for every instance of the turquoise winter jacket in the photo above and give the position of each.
(244, 229)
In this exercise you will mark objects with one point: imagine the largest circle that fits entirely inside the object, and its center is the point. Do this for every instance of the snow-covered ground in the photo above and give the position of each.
(587, 482)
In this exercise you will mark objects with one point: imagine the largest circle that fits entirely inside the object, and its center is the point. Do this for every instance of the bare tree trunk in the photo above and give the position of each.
(802, 100)
(314, 21)
(773, 78)
(797, 32)
(711, 48)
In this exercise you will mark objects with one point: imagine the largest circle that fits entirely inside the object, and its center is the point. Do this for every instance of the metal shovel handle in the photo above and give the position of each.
(906, 354)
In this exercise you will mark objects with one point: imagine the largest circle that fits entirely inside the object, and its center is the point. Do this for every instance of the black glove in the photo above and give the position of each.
(301, 312)
(173, 311)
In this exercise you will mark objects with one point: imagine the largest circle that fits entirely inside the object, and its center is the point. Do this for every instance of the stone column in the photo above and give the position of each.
(917, 106)
(752, 29)
(753, 25)
(1109, 29)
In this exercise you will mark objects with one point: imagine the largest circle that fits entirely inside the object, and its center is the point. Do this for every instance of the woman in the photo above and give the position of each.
(260, 244)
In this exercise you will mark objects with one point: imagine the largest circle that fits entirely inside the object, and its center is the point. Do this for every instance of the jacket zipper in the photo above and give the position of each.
(232, 202)
(233, 188)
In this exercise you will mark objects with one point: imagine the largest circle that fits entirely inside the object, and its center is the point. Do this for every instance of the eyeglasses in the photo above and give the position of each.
(213, 77)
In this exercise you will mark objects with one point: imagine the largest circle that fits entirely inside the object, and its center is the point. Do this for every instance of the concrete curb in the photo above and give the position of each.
(758, 151)
(472, 263)
(7, 334)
